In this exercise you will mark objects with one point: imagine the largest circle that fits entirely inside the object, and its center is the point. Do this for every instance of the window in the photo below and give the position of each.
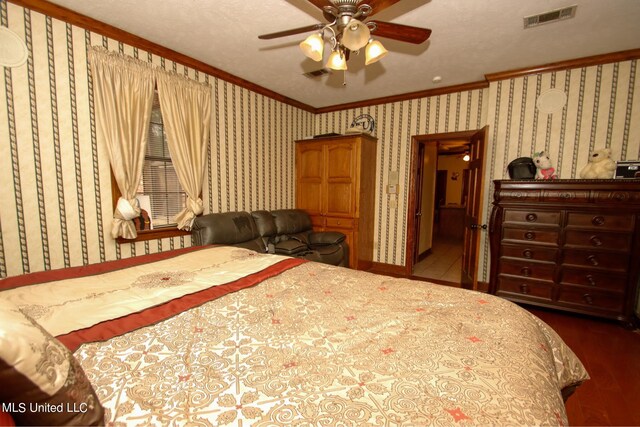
(160, 193)
(160, 188)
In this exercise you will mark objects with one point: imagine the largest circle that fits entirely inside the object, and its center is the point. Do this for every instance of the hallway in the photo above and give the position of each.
(443, 263)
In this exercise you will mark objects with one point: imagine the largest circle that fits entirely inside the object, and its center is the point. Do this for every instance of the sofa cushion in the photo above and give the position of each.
(290, 247)
(291, 221)
(227, 228)
(265, 223)
(326, 238)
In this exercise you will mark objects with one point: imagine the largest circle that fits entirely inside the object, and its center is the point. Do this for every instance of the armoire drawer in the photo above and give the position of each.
(596, 260)
(340, 222)
(587, 299)
(526, 288)
(529, 217)
(600, 221)
(596, 279)
(530, 236)
(530, 252)
(534, 270)
(598, 239)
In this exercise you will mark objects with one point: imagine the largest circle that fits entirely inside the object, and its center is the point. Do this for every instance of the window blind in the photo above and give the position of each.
(159, 179)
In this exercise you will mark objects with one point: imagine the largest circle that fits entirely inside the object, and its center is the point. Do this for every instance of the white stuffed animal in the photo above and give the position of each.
(543, 164)
(600, 166)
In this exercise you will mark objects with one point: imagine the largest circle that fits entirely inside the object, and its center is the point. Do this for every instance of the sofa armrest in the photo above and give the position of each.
(325, 238)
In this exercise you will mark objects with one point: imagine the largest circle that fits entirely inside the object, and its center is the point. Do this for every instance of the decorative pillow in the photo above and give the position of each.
(42, 383)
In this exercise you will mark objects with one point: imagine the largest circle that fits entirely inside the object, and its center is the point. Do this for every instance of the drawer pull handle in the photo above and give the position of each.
(532, 217)
(529, 235)
(527, 253)
(597, 220)
(524, 288)
(526, 271)
(588, 299)
(591, 280)
(595, 241)
(593, 260)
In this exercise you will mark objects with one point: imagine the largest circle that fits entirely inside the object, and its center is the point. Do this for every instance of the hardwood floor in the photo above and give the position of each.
(611, 355)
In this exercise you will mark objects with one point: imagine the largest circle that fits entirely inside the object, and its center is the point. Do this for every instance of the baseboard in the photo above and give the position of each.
(388, 269)
(424, 254)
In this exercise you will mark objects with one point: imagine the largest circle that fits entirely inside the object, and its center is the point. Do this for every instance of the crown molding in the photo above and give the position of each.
(588, 61)
(83, 21)
(75, 18)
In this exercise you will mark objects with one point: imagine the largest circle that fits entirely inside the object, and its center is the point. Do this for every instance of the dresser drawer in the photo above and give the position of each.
(594, 259)
(566, 196)
(526, 288)
(530, 252)
(534, 270)
(529, 217)
(340, 222)
(531, 236)
(598, 240)
(595, 279)
(600, 221)
(594, 300)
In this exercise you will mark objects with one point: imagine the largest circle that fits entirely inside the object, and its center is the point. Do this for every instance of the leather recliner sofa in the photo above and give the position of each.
(285, 232)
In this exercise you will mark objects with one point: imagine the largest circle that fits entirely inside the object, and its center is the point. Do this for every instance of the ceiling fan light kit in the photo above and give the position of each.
(374, 52)
(337, 61)
(348, 33)
(313, 46)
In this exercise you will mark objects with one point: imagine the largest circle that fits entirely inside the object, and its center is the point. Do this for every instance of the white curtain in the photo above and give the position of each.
(186, 111)
(123, 91)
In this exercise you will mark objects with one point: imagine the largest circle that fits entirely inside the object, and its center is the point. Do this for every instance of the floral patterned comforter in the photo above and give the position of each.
(313, 344)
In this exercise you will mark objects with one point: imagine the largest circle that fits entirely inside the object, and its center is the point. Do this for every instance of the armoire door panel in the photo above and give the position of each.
(342, 158)
(339, 199)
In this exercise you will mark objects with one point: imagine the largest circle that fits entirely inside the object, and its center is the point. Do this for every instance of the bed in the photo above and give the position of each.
(222, 335)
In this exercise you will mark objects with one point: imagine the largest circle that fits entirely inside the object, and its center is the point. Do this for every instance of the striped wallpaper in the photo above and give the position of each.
(396, 123)
(55, 207)
(603, 110)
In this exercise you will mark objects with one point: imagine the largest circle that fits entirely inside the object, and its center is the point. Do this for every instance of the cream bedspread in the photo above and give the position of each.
(325, 346)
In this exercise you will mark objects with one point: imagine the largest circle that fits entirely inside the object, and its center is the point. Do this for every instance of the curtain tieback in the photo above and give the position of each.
(195, 205)
(127, 209)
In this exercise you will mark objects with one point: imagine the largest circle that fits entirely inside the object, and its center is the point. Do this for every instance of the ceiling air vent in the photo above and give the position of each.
(317, 73)
(550, 16)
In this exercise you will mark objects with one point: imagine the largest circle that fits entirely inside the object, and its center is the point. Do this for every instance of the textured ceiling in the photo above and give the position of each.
(470, 38)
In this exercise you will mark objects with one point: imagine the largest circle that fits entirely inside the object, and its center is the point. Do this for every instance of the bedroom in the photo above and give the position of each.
(57, 202)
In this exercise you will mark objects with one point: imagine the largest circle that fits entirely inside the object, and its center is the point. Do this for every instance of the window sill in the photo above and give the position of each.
(154, 234)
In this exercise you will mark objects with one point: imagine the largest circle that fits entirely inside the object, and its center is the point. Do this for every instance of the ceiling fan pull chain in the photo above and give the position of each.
(344, 78)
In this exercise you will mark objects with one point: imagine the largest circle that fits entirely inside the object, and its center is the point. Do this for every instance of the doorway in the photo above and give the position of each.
(444, 207)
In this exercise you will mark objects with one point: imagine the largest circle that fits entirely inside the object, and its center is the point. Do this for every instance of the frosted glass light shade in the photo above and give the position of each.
(337, 61)
(374, 52)
(313, 47)
(355, 35)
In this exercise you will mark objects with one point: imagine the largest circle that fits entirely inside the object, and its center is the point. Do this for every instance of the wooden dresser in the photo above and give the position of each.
(572, 245)
(335, 184)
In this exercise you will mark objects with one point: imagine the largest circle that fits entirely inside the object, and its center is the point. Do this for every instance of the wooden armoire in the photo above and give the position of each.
(335, 184)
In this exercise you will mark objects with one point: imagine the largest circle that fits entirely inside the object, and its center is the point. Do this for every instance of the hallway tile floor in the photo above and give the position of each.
(443, 263)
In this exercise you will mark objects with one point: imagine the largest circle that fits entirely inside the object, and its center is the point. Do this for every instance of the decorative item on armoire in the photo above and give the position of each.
(544, 170)
(364, 123)
(600, 166)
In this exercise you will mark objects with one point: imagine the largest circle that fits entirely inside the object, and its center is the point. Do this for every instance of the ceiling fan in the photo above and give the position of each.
(349, 32)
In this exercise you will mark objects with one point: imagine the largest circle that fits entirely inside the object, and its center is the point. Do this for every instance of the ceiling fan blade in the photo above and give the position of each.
(320, 3)
(403, 33)
(378, 5)
(291, 32)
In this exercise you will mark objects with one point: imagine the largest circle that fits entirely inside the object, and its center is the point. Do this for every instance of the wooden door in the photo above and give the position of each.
(310, 176)
(473, 228)
(341, 163)
(418, 205)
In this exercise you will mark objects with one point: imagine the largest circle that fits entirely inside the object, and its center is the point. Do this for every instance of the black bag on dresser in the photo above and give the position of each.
(522, 168)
